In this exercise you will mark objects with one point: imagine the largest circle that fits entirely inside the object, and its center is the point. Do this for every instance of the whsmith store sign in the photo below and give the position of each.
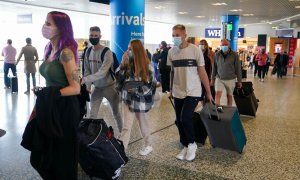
(216, 32)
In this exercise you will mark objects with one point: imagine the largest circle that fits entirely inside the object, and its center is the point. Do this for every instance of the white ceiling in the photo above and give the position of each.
(167, 11)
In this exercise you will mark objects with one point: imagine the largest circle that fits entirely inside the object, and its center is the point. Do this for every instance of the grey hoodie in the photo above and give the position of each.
(96, 71)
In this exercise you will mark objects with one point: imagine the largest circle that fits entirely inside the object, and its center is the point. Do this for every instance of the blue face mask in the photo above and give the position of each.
(224, 48)
(177, 41)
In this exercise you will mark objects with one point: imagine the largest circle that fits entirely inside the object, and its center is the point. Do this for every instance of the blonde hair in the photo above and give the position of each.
(141, 61)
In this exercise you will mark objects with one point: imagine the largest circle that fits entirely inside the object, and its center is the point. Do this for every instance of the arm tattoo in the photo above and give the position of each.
(76, 75)
(66, 55)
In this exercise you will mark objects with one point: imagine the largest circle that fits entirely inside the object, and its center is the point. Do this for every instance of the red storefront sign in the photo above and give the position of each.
(292, 48)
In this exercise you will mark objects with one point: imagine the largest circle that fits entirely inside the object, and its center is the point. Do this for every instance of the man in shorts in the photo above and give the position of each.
(226, 70)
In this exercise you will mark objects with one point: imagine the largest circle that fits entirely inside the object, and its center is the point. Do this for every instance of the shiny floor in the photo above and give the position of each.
(272, 150)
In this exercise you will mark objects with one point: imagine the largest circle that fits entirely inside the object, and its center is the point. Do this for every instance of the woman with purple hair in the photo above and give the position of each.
(58, 158)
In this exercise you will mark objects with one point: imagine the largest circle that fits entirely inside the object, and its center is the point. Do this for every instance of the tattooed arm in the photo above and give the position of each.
(72, 72)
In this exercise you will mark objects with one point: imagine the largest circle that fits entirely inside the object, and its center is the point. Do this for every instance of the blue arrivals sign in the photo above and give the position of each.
(216, 32)
(127, 20)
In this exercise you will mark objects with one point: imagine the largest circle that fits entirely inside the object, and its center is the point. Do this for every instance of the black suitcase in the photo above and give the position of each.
(245, 99)
(101, 155)
(14, 84)
(200, 131)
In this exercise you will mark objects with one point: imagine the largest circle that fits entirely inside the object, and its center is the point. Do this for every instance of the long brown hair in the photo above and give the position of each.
(141, 61)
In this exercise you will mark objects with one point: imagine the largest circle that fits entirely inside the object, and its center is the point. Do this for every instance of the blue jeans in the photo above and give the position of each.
(8, 66)
(156, 73)
(184, 118)
(28, 80)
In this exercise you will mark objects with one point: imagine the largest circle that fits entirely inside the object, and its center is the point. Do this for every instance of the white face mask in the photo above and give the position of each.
(49, 31)
(202, 47)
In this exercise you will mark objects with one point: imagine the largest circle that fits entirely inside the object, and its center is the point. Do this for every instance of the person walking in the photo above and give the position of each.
(261, 59)
(155, 61)
(30, 58)
(188, 71)
(281, 63)
(226, 71)
(203, 45)
(164, 69)
(136, 102)
(97, 72)
(9, 53)
(57, 154)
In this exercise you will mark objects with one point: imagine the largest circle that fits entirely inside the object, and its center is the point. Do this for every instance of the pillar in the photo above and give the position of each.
(229, 29)
(127, 22)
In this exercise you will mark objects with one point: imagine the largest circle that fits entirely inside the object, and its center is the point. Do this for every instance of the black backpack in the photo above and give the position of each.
(101, 155)
(116, 62)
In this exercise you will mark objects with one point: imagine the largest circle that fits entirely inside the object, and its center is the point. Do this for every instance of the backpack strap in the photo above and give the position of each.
(102, 59)
(88, 52)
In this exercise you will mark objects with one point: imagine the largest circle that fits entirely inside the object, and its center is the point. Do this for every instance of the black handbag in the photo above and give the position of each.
(101, 155)
(133, 86)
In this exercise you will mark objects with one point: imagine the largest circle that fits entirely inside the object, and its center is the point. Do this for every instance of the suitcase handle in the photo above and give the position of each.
(217, 110)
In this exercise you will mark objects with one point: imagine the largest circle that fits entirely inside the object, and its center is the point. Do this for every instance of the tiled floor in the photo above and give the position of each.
(272, 150)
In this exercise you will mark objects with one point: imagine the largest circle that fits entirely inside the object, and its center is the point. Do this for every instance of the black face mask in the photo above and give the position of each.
(94, 41)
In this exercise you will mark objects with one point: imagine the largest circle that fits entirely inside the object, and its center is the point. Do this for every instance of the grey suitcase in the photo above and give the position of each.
(224, 127)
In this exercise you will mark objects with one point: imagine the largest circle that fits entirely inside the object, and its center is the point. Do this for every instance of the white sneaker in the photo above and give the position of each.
(182, 154)
(146, 150)
(191, 152)
(262, 80)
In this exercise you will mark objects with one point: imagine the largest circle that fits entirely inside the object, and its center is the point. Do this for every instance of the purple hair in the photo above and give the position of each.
(64, 25)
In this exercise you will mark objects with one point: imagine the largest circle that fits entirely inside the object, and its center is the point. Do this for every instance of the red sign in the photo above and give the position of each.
(292, 48)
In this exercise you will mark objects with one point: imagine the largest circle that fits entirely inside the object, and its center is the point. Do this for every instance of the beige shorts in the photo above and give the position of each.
(229, 85)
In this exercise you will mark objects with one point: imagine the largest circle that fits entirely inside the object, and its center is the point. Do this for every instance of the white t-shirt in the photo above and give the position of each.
(185, 64)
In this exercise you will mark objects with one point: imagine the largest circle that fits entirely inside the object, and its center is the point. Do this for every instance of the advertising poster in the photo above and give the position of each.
(277, 48)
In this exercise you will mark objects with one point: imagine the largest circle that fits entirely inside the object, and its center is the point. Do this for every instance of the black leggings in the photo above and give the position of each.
(261, 72)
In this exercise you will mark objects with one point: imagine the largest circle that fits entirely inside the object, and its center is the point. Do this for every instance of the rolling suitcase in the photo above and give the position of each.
(245, 99)
(200, 131)
(224, 127)
(14, 84)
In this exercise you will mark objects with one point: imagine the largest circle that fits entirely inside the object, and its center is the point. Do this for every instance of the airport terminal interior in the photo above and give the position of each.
(272, 150)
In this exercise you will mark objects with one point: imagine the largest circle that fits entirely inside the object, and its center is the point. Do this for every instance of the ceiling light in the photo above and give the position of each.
(68, 4)
(199, 16)
(297, 7)
(236, 10)
(159, 7)
(294, 0)
(248, 14)
(189, 23)
(219, 4)
(182, 12)
(270, 22)
(288, 20)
